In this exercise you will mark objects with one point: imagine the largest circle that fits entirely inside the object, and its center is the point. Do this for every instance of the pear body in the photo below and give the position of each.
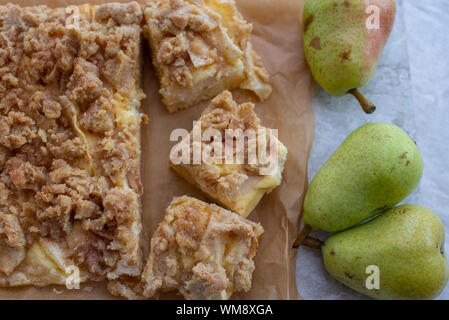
(405, 243)
(342, 43)
(375, 168)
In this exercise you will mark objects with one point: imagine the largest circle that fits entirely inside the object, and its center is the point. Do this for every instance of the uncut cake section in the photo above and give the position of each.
(69, 143)
(199, 49)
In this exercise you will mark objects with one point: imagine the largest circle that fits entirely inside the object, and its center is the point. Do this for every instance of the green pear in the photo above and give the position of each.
(403, 248)
(374, 169)
(343, 42)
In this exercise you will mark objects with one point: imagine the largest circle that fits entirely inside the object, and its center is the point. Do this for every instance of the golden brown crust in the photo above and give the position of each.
(202, 251)
(69, 143)
(231, 185)
(200, 48)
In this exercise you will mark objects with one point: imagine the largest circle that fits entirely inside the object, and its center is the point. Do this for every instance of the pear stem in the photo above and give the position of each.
(302, 236)
(366, 105)
(312, 243)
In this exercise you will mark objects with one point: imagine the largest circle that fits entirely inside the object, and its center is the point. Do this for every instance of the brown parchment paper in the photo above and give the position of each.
(278, 40)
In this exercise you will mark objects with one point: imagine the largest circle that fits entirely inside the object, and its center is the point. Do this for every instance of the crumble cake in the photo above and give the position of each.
(70, 143)
(236, 186)
(200, 250)
(200, 48)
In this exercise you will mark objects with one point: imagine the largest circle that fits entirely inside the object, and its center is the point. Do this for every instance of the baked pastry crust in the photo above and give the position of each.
(200, 250)
(69, 143)
(200, 48)
(237, 187)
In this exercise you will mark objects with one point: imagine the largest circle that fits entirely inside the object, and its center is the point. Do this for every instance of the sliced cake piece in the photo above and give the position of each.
(202, 251)
(200, 48)
(237, 184)
(70, 143)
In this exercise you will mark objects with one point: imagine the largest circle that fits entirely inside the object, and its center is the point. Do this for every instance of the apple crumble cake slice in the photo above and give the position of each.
(70, 143)
(237, 184)
(200, 48)
(202, 251)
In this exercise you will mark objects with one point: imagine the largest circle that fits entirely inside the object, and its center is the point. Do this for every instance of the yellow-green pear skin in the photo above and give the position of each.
(374, 169)
(405, 243)
(341, 51)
